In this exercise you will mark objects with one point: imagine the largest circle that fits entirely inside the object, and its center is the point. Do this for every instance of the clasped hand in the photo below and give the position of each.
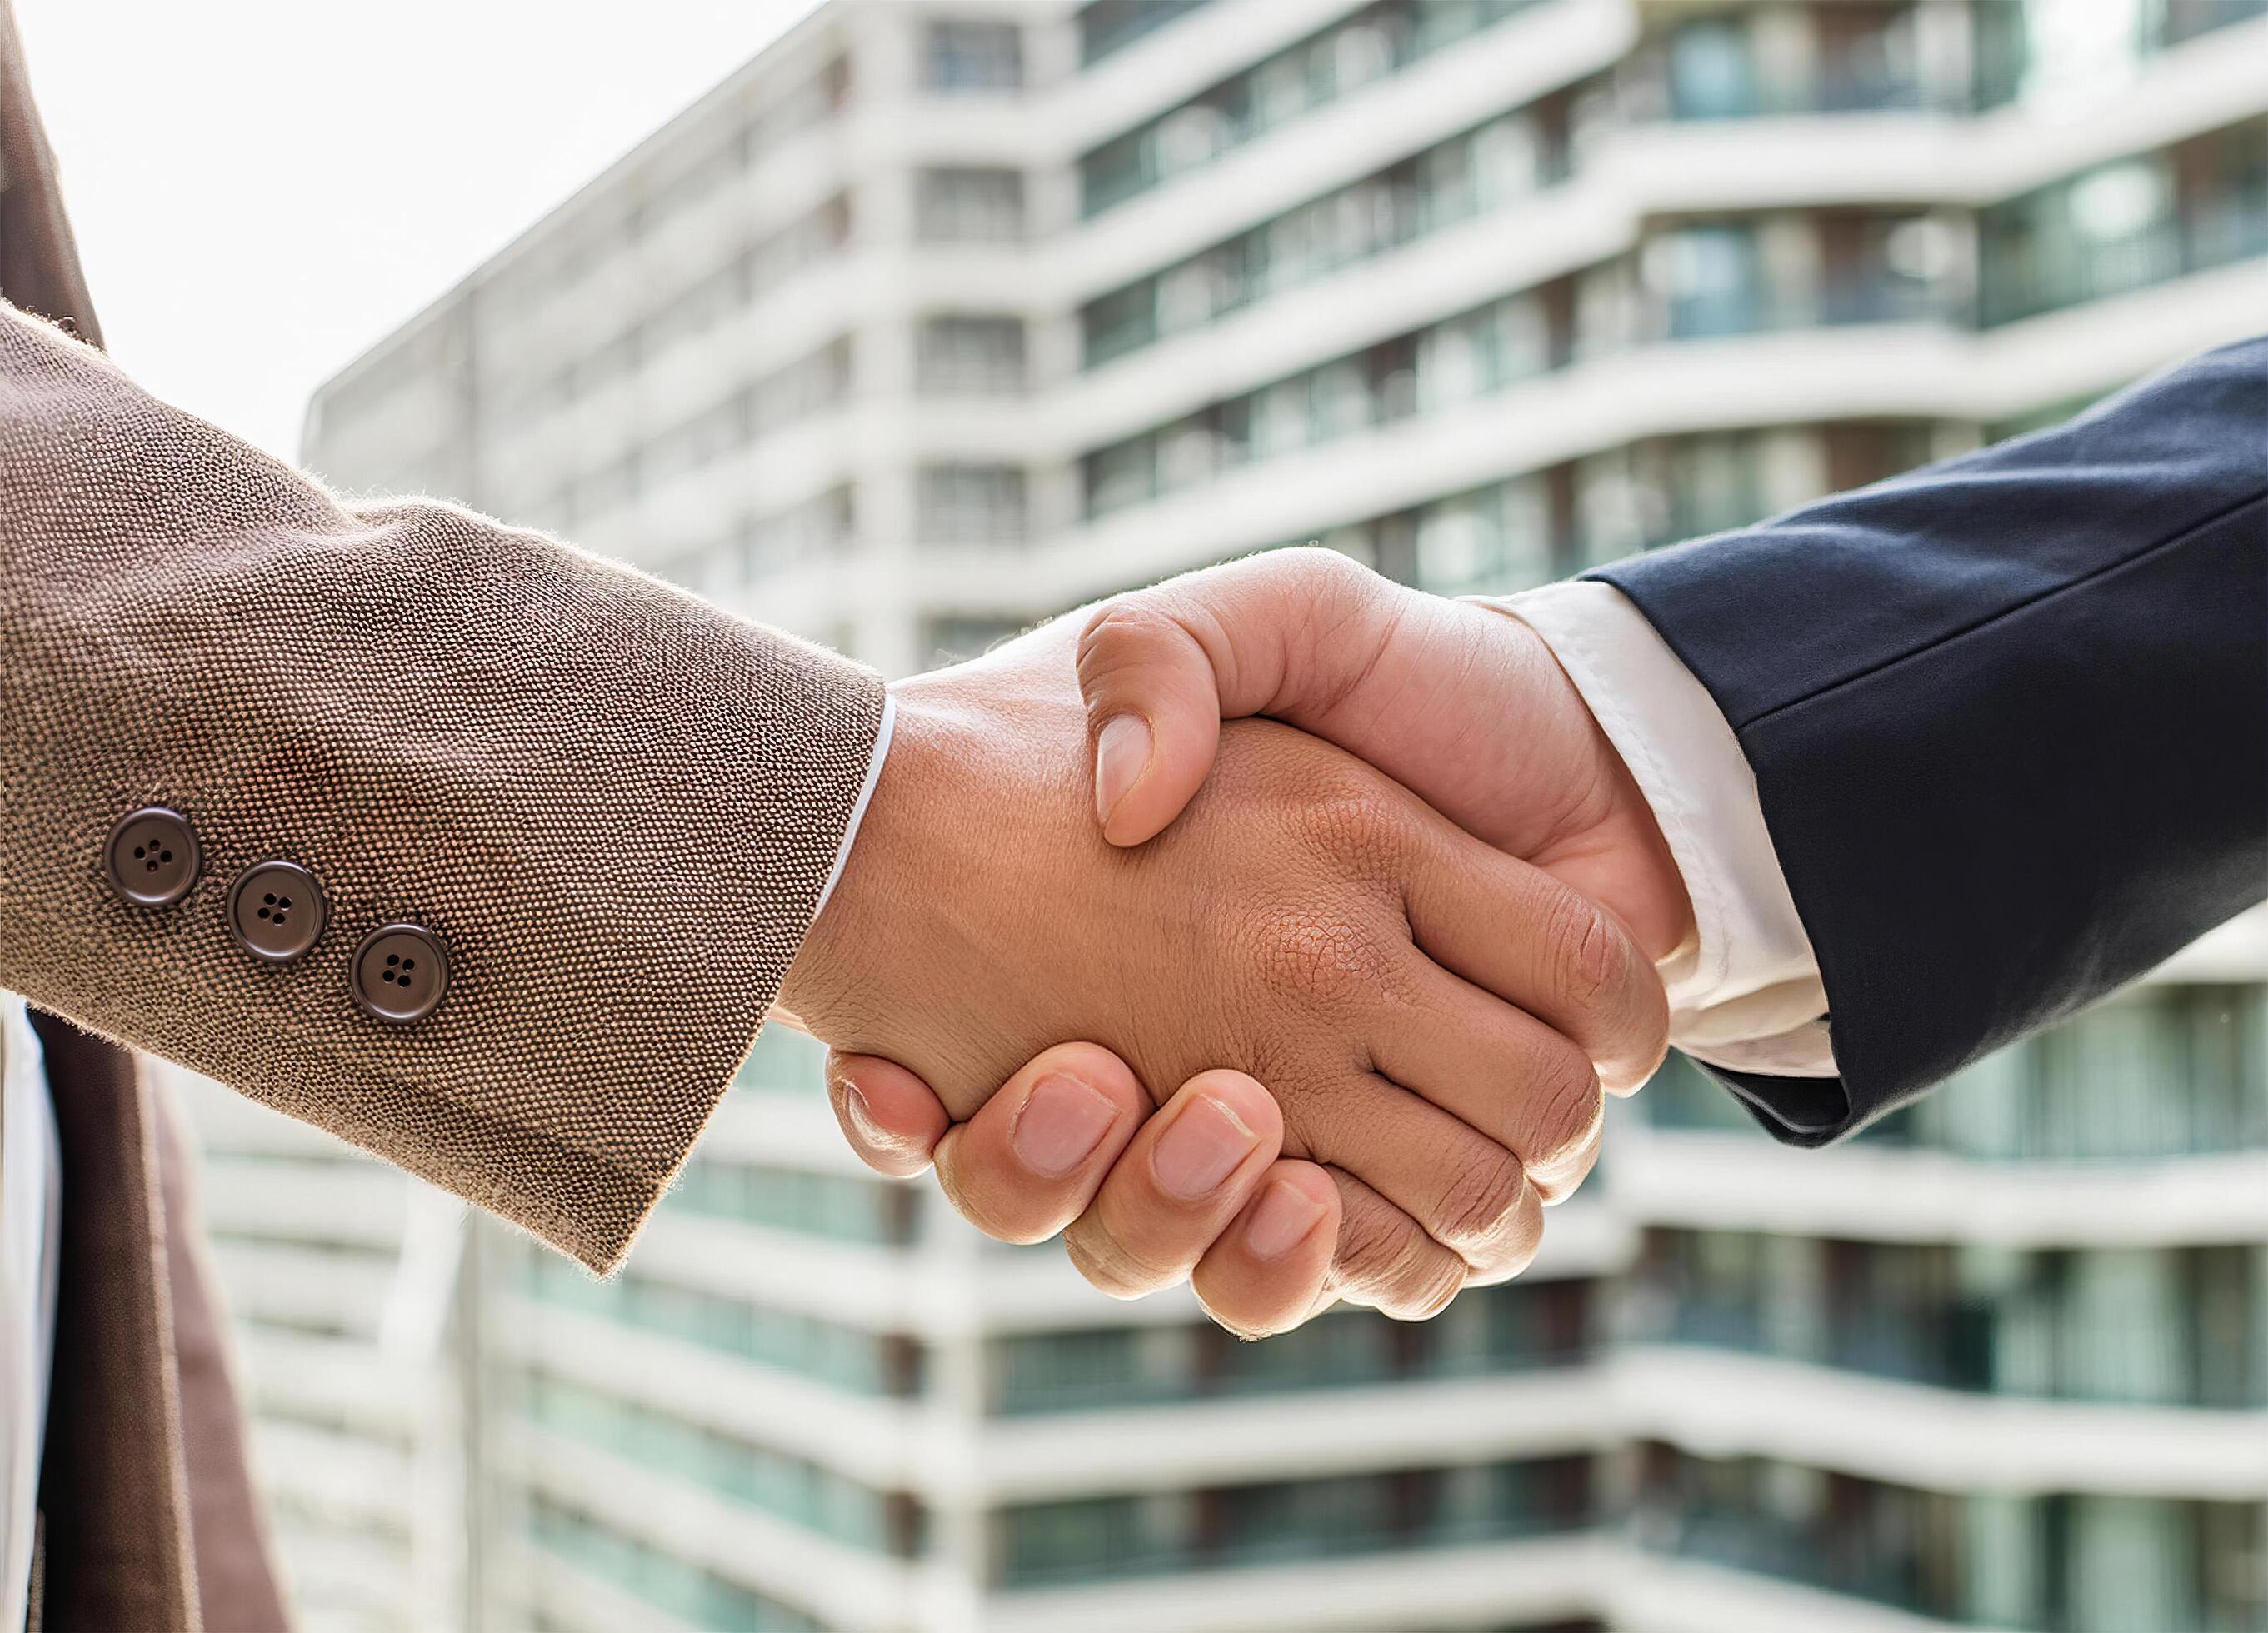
(1392, 943)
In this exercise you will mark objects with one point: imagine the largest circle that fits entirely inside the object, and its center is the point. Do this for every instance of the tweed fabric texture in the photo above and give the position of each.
(615, 804)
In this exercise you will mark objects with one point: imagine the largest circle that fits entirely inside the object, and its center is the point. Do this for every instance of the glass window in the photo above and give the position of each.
(1712, 70)
(969, 206)
(1710, 278)
(964, 353)
(971, 56)
(970, 504)
(1105, 26)
(1380, 40)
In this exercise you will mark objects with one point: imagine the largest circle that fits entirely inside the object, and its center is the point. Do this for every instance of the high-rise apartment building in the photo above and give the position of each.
(341, 1277)
(944, 315)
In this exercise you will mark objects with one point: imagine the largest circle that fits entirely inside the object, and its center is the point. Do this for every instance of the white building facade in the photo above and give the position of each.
(942, 316)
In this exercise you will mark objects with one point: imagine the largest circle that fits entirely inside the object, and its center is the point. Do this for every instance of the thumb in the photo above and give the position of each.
(1285, 633)
(893, 1120)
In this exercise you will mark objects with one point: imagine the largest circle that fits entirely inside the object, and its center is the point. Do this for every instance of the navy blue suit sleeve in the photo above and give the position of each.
(2008, 718)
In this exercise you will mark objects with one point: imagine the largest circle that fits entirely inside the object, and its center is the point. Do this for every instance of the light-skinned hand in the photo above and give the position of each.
(1424, 1011)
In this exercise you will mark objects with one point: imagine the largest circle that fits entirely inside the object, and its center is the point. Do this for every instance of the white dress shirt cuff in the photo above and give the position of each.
(865, 797)
(1744, 992)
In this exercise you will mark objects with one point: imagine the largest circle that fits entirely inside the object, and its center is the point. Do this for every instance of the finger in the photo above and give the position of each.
(1514, 931)
(1507, 1075)
(1153, 712)
(892, 1118)
(1270, 1270)
(1385, 1261)
(1466, 1193)
(1285, 633)
(1032, 1157)
(1182, 1182)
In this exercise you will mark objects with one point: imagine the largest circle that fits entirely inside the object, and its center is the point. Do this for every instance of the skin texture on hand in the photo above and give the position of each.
(1308, 923)
(1257, 1248)
(1462, 704)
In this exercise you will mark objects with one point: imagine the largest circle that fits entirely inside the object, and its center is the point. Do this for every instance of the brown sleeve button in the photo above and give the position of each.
(153, 857)
(400, 973)
(276, 911)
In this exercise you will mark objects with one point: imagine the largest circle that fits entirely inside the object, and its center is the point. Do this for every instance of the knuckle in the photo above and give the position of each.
(1313, 567)
(1595, 959)
(1481, 1201)
(1117, 629)
(1563, 1109)
(1326, 959)
(1387, 1263)
(1352, 819)
(974, 1203)
(1112, 1266)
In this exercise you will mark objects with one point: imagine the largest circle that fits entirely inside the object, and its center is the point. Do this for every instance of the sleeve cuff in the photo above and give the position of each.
(1745, 993)
(866, 797)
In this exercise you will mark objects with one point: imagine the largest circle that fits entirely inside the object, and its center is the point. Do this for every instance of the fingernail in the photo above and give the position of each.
(1201, 1149)
(1061, 1122)
(862, 1119)
(1122, 749)
(1282, 1220)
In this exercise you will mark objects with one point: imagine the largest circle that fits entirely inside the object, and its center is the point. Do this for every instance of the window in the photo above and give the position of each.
(686, 1592)
(974, 56)
(1272, 1522)
(970, 504)
(817, 527)
(1710, 278)
(837, 1207)
(849, 1357)
(969, 206)
(967, 354)
(1108, 25)
(1380, 40)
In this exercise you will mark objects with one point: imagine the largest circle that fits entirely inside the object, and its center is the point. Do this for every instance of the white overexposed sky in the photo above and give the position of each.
(261, 188)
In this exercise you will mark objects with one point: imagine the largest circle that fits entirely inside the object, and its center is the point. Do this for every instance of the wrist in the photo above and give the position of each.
(1604, 835)
(826, 966)
(1661, 914)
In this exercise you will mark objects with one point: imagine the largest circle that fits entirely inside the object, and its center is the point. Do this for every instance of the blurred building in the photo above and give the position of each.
(944, 315)
(341, 1277)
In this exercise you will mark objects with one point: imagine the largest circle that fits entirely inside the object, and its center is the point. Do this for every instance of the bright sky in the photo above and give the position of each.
(263, 187)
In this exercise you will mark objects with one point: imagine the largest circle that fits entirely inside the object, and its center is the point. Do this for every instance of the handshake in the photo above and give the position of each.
(1312, 1007)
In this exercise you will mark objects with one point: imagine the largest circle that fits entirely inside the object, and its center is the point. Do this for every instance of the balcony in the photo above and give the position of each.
(1375, 44)
(2171, 1070)
(1237, 1528)
(1489, 1332)
(1108, 26)
(2045, 50)
(2057, 1562)
(688, 1594)
(802, 1493)
(2019, 283)
(2177, 1327)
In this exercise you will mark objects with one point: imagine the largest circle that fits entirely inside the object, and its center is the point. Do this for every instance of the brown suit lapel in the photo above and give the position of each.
(112, 1482)
(39, 258)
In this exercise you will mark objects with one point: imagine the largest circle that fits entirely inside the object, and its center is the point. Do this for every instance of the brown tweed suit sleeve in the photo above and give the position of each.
(615, 804)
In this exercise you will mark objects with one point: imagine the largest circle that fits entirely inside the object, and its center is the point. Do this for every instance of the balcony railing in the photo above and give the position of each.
(1987, 1559)
(1869, 297)
(1354, 1369)
(1034, 1569)
(2011, 63)
(1376, 43)
(1106, 27)
(2170, 1071)
(2017, 285)
(2176, 1327)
